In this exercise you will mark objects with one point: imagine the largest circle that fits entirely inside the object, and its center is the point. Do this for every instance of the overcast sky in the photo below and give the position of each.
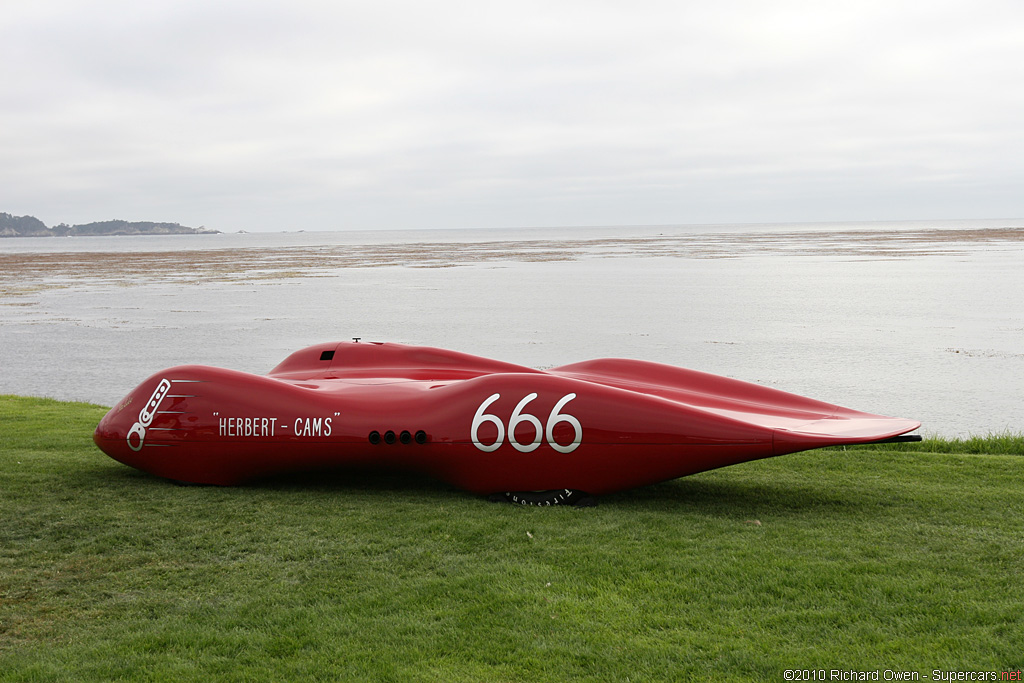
(317, 115)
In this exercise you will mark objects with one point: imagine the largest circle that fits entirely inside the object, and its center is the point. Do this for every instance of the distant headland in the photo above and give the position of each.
(30, 226)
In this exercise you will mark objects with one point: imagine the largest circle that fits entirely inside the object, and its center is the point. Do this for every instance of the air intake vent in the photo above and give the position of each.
(327, 355)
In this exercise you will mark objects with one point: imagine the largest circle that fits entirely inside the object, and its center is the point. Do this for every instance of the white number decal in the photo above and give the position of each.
(514, 421)
(564, 418)
(480, 418)
(518, 416)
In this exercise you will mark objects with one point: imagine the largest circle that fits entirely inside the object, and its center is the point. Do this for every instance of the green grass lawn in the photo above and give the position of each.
(858, 559)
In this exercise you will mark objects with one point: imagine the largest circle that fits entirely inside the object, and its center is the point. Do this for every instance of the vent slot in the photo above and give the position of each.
(327, 355)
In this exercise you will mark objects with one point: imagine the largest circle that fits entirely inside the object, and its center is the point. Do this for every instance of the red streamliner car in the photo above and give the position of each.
(562, 435)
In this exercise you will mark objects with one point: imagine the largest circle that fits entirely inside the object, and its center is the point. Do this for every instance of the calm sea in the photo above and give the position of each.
(918, 320)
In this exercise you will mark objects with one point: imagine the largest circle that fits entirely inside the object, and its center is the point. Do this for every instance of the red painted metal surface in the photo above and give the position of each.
(485, 426)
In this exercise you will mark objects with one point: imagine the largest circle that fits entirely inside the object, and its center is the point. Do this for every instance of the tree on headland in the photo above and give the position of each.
(22, 226)
(30, 226)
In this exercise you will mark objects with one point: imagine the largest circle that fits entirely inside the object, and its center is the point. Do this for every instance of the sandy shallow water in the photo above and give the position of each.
(909, 320)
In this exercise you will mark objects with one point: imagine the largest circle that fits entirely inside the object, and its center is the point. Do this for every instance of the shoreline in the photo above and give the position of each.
(28, 271)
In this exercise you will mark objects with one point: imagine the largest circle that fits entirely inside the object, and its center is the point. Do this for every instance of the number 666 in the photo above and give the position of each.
(518, 416)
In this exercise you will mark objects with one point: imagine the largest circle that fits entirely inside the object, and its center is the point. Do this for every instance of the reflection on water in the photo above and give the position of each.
(912, 321)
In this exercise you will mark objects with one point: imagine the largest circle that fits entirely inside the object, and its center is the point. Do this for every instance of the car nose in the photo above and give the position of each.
(122, 431)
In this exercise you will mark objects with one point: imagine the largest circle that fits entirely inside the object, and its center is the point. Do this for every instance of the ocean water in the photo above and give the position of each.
(917, 320)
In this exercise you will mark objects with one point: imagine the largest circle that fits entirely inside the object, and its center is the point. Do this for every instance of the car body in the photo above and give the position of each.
(483, 425)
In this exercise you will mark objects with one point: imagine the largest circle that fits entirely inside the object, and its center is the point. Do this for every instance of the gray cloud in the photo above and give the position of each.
(325, 115)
